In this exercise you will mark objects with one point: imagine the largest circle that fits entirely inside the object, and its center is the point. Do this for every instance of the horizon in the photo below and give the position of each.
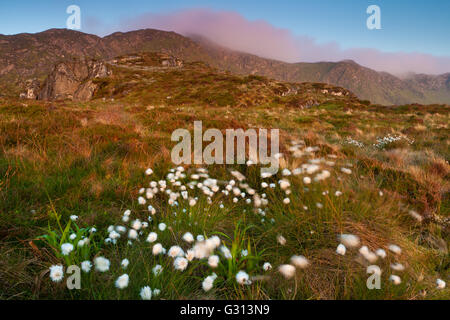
(291, 31)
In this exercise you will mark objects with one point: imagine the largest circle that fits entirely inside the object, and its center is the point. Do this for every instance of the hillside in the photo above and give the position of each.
(27, 56)
(76, 189)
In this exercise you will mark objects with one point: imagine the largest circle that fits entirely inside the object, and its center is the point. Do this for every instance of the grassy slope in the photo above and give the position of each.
(88, 160)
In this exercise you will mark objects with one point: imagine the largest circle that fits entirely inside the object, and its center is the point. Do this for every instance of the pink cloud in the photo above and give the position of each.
(232, 30)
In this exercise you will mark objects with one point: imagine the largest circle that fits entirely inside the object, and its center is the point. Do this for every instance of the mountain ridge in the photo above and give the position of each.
(26, 56)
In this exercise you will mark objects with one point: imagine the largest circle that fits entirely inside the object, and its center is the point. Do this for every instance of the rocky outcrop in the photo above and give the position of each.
(32, 87)
(73, 80)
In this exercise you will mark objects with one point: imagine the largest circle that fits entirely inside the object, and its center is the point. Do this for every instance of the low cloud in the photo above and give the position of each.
(232, 30)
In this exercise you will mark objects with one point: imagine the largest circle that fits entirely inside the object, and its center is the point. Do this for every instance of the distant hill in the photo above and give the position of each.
(24, 57)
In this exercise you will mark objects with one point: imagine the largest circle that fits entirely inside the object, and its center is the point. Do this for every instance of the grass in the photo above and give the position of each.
(89, 160)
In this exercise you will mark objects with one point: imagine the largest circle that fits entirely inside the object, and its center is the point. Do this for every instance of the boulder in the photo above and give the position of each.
(73, 80)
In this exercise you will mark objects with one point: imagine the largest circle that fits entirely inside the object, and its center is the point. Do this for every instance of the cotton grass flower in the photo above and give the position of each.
(125, 263)
(367, 254)
(136, 224)
(56, 273)
(101, 264)
(175, 251)
(208, 283)
(213, 261)
(287, 270)
(146, 293)
(341, 249)
(267, 266)
(381, 253)
(157, 270)
(281, 240)
(188, 237)
(349, 240)
(226, 252)
(157, 249)
(162, 226)
(395, 279)
(397, 267)
(86, 266)
(243, 278)
(132, 234)
(440, 284)
(300, 262)
(152, 237)
(73, 217)
(66, 248)
(122, 281)
(180, 263)
(142, 201)
(156, 292)
(284, 184)
(395, 249)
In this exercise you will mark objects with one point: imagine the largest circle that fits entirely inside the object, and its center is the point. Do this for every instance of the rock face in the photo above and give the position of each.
(73, 80)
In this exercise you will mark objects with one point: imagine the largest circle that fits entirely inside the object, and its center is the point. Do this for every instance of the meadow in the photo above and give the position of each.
(359, 186)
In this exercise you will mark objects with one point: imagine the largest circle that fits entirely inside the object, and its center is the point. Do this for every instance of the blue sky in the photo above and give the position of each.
(408, 26)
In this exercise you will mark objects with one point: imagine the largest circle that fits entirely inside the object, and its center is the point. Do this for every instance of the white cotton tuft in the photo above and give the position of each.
(157, 270)
(300, 262)
(188, 237)
(66, 248)
(162, 226)
(243, 278)
(125, 263)
(341, 249)
(267, 266)
(146, 293)
(86, 266)
(101, 264)
(152, 237)
(213, 261)
(281, 240)
(122, 281)
(381, 253)
(175, 251)
(395, 249)
(395, 279)
(440, 284)
(287, 270)
(349, 240)
(56, 273)
(157, 249)
(397, 267)
(180, 263)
